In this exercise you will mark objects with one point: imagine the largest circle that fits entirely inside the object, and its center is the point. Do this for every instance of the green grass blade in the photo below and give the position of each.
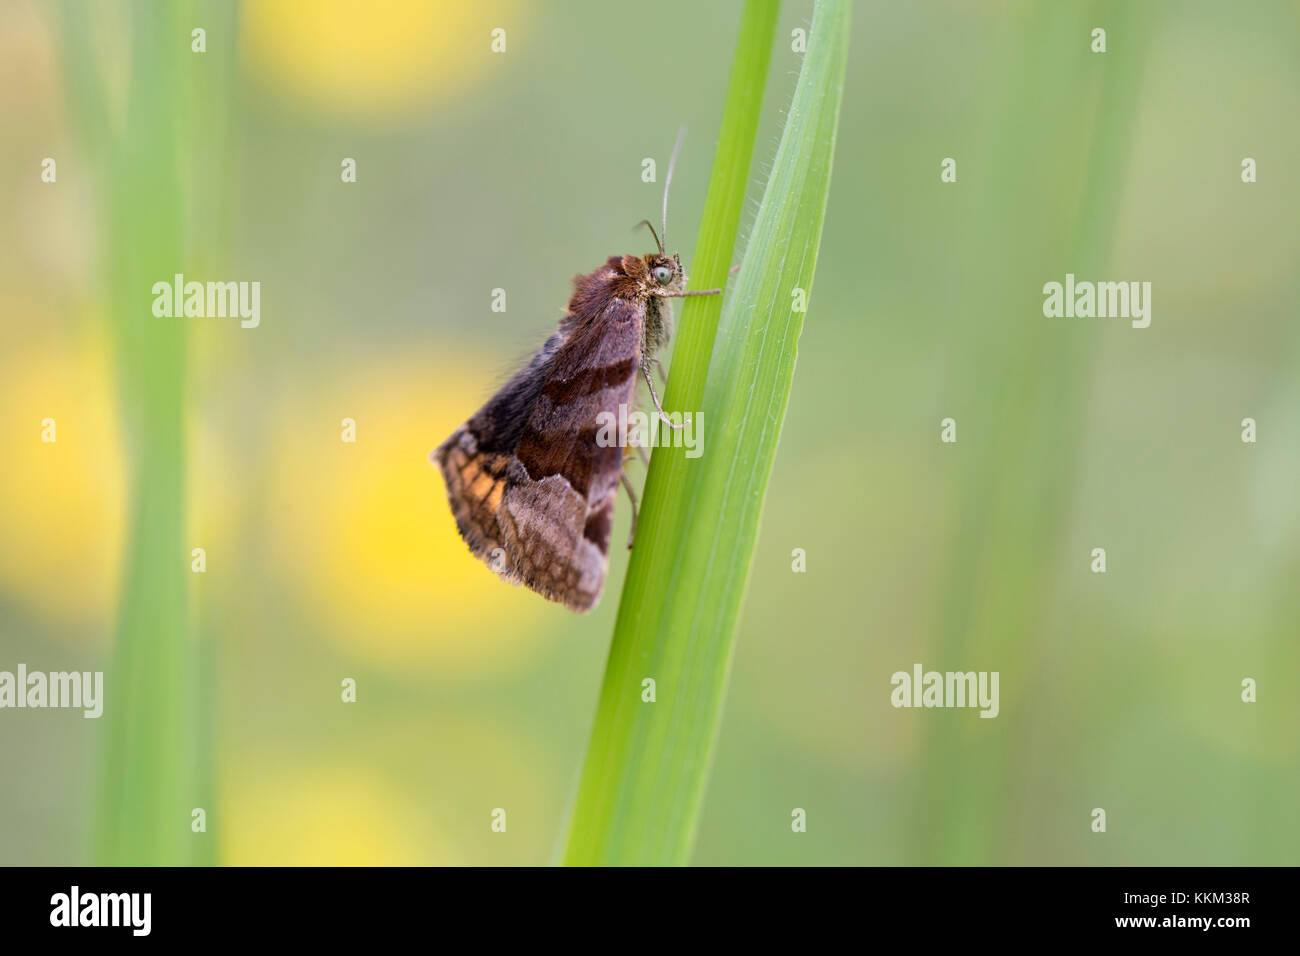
(153, 770)
(1012, 500)
(722, 207)
(145, 776)
(647, 763)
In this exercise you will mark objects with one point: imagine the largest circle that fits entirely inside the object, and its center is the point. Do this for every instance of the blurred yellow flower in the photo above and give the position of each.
(363, 59)
(329, 816)
(62, 505)
(364, 530)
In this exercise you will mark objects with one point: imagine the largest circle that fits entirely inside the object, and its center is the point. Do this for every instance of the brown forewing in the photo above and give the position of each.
(532, 491)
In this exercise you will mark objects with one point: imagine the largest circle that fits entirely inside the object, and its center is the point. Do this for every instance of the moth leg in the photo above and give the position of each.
(666, 420)
(631, 494)
(731, 272)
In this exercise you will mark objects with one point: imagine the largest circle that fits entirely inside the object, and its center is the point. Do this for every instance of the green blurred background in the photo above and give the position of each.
(477, 171)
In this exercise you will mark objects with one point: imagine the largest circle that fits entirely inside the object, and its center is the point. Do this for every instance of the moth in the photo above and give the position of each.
(531, 488)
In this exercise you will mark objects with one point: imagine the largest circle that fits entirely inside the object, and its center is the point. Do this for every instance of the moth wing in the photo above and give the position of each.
(530, 485)
(476, 481)
(558, 519)
(478, 460)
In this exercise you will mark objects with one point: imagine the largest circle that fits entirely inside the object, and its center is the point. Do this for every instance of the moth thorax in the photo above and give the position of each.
(658, 325)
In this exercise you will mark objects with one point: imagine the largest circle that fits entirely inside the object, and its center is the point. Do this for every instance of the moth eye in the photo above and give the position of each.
(663, 275)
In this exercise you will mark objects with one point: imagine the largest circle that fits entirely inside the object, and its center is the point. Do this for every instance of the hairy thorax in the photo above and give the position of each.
(658, 326)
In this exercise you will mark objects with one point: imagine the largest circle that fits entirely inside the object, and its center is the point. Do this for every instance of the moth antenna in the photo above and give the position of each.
(666, 420)
(646, 223)
(668, 179)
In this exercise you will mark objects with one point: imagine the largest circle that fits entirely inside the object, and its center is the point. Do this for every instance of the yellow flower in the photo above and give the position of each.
(363, 528)
(361, 58)
(61, 502)
(329, 816)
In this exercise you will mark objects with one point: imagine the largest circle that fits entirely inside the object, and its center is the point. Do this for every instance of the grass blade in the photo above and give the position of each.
(153, 770)
(647, 763)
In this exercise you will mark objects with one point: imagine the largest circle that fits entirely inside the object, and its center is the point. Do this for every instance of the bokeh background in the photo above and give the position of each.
(477, 171)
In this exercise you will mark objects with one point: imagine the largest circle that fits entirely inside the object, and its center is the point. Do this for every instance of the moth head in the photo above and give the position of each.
(664, 273)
